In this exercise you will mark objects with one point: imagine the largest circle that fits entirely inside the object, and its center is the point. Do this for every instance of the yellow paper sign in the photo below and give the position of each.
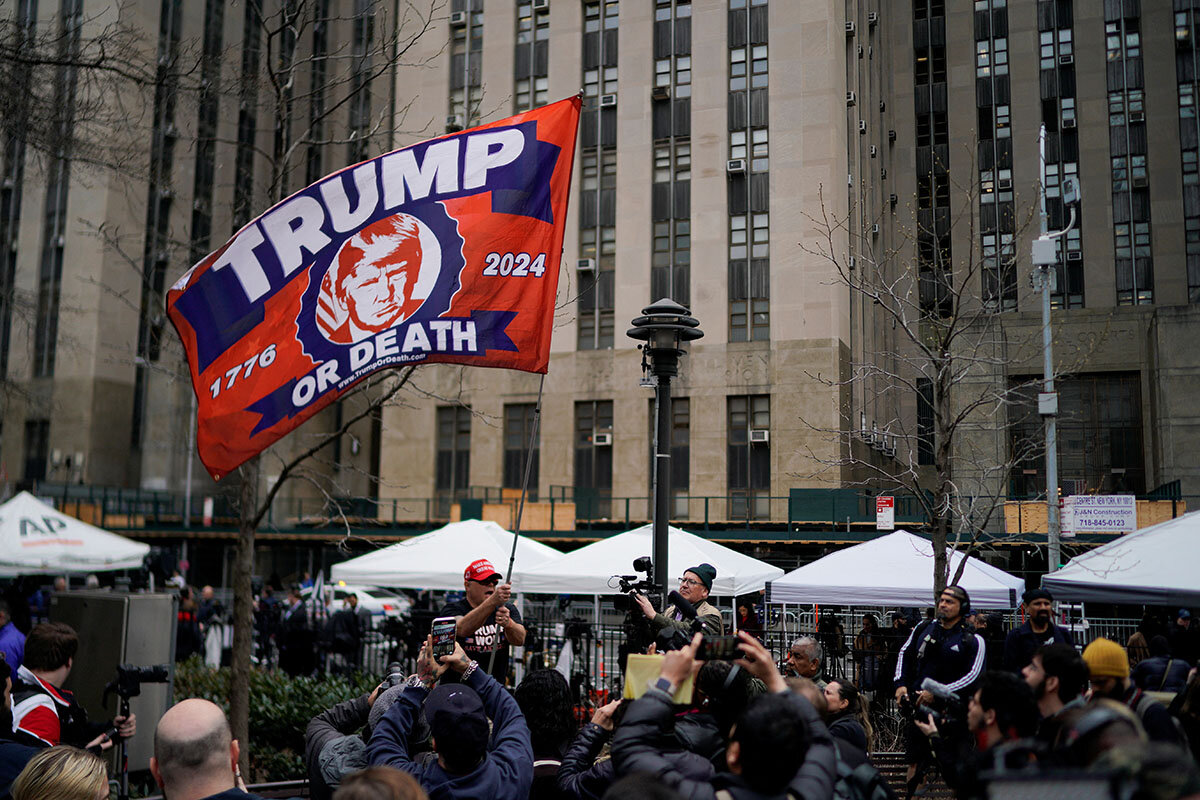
(641, 670)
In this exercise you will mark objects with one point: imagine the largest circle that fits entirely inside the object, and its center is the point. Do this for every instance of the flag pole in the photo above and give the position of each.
(512, 556)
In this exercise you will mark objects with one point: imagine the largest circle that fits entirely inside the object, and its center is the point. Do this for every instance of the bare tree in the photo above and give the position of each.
(939, 376)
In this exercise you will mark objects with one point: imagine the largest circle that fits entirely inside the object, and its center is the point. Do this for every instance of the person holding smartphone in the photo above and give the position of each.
(486, 619)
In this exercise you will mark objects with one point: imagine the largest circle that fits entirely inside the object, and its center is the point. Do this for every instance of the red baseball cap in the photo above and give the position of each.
(480, 570)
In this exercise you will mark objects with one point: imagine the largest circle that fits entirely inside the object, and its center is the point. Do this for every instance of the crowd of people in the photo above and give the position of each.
(980, 707)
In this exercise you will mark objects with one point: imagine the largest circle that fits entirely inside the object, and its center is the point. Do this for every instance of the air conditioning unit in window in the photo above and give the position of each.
(891, 135)
(60, 241)
(454, 122)
(874, 151)
(602, 439)
(893, 199)
(9, 182)
(1068, 123)
(171, 131)
(608, 101)
(862, 126)
(852, 262)
(861, 51)
(872, 18)
(735, 166)
(1067, 59)
(1140, 181)
(586, 265)
(875, 229)
(541, 5)
(1004, 183)
(660, 93)
(458, 19)
(882, 106)
(851, 98)
(851, 27)
(1137, 116)
(1074, 255)
(760, 436)
(883, 174)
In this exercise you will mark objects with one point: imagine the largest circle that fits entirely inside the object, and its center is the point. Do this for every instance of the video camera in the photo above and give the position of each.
(129, 680)
(632, 583)
(947, 706)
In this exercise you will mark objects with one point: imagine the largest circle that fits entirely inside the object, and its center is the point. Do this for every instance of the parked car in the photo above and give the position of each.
(382, 603)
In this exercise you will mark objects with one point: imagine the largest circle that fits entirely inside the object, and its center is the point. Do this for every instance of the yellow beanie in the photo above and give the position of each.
(1106, 659)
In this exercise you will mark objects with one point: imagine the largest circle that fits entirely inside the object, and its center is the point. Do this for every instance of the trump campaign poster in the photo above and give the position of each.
(445, 251)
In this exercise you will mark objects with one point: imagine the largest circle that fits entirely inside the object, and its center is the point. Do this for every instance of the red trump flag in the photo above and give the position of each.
(445, 251)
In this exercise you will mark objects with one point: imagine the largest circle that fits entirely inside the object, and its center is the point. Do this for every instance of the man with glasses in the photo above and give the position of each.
(694, 587)
(487, 621)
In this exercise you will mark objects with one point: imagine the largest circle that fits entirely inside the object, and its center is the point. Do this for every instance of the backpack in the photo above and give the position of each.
(1140, 702)
(861, 783)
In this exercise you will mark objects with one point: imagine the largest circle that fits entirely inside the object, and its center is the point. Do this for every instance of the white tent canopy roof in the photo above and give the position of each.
(589, 569)
(896, 569)
(436, 560)
(36, 539)
(1156, 566)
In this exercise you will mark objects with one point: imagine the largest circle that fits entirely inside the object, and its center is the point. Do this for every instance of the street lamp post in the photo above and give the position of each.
(1045, 256)
(663, 327)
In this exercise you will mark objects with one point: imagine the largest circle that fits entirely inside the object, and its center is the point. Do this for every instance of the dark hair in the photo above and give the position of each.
(729, 690)
(460, 756)
(640, 786)
(1012, 700)
(774, 739)
(4, 609)
(50, 645)
(1159, 646)
(545, 699)
(1063, 661)
(856, 706)
(380, 783)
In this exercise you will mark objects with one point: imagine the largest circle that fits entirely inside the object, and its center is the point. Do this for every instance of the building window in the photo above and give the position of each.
(37, 449)
(933, 252)
(925, 435)
(1099, 436)
(596, 267)
(681, 473)
(314, 168)
(996, 210)
(518, 428)
(362, 45)
(671, 108)
(531, 62)
(453, 467)
(1127, 139)
(1187, 74)
(749, 283)
(243, 160)
(593, 459)
(749, 456)
(466, 64)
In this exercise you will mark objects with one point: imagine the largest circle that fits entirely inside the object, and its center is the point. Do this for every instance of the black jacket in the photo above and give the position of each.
(953, 657)
(1161, 674)
(581, 777)
(1022, 643)
(344, 719)
(13, 758)
(635, 749)
(848, 729)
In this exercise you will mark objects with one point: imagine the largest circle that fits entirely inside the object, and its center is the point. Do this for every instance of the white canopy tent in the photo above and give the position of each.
(1156, 566)
(589, 569)
(37, 539)
(896, 569)
(436, 560)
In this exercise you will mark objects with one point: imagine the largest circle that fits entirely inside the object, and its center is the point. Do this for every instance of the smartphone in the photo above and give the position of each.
(444, 631)
(719, 648)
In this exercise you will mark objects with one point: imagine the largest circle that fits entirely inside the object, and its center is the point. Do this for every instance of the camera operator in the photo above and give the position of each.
(45, 714)
(694, 587)
(942, 649)
(1038, 630)
(1001, 710)
(1057, 676)
(487, 621)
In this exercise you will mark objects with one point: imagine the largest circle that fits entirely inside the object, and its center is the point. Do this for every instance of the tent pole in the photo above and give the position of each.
(512, 556)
